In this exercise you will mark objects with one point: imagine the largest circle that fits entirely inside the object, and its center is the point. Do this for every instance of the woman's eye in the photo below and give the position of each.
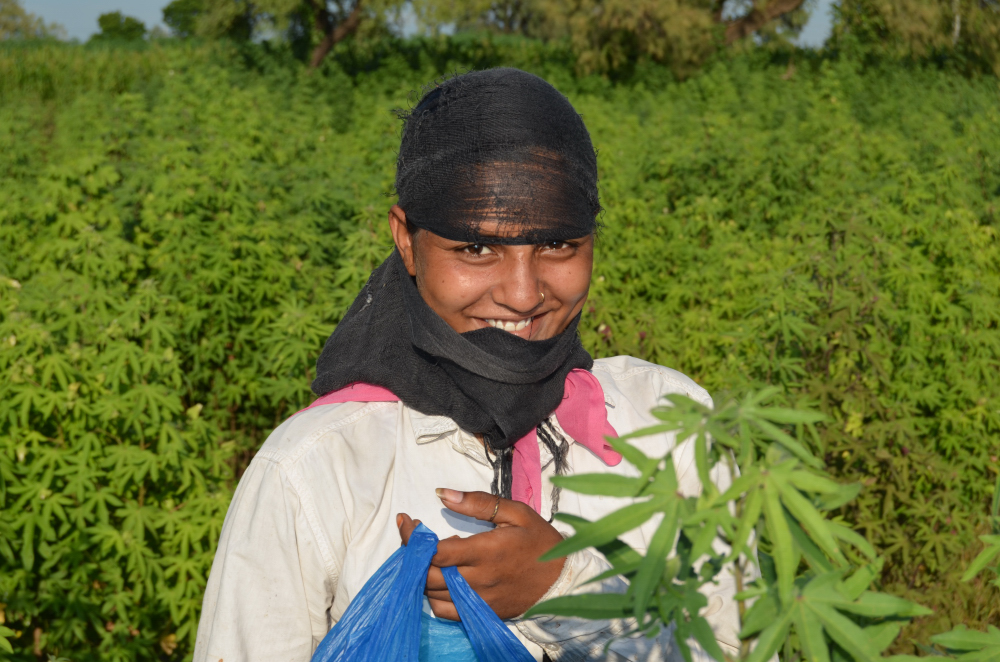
(555, 245)
(478, 249)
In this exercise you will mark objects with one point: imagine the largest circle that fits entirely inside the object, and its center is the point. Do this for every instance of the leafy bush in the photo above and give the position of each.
(812, 600)
(777, 503)
(182, 226)
(837, 237)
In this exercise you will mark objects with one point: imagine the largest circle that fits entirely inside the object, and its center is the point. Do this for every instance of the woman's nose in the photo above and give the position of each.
(520, 288)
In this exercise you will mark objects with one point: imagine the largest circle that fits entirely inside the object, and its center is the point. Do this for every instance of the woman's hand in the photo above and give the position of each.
(501, 565)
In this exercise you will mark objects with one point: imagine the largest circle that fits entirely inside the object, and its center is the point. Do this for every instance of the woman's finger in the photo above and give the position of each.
(435, 580)
(406, 526)
(486, 507)
(460, 551)
(445, 610)
(443, 596)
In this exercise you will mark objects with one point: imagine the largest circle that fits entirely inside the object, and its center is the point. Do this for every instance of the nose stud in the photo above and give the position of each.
(542, 294)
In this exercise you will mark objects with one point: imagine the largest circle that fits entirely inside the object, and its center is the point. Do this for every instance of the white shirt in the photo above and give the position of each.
(314, 516)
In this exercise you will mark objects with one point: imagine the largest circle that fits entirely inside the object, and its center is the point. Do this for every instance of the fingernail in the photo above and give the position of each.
(451, 496)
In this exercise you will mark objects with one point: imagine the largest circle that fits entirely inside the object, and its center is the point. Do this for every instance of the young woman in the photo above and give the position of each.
(452, 391)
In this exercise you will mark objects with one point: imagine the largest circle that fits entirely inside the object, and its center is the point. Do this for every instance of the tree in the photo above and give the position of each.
(334, 21)
(116, 27)
(506, 16)
(16, 23)
(969, 29)
(181, 16)
(609, 34)
(322, 23)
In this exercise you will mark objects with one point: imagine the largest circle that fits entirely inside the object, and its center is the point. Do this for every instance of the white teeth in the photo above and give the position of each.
(509, 326)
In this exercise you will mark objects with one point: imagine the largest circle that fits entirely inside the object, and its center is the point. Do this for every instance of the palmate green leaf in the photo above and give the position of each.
(841, 532)
(706, 535)
(990, 654)
(650, 570)
(594, 606)
(882, 604)
(771, 638)
(843, 496)
(751, 514)
(860, 580)
(646, 465)
(811, 482)
(961, 638)
(664, 481)
(701, 464)
(810, 631)
(743, 483)
(760, 615)
(788, 416)
(607, 528)
(705, 636)
(600, 484)
(794, 447)
(623, 559)
(783, 549)
(811, 520)
(625, 567)
(5, 634)
(983, 559)
(813, 554)
(28, 545)
(881, 635)
(844, 632)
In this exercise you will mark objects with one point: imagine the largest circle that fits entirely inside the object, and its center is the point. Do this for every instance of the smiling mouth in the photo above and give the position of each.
(508, 325)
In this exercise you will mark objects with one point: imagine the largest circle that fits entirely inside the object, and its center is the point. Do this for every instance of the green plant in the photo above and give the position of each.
(813, 600)
(182, 224)
(818, 570)
(117, 27)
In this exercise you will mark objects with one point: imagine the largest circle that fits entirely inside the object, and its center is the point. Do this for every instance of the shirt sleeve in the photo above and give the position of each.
(258, 605)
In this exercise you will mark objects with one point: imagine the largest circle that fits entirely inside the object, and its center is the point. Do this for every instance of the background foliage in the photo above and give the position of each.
(16, 23)
(610, 36)
(181, 227)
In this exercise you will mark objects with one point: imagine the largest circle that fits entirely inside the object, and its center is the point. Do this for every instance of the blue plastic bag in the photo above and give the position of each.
(385, 621)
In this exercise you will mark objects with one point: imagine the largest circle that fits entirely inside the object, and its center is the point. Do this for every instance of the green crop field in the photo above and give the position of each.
(181, 227)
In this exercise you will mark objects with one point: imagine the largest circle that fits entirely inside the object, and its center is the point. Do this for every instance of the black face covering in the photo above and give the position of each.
(495, 157)
(489, 381)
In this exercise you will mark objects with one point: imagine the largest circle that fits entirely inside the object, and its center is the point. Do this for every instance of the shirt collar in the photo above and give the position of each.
(427, 429)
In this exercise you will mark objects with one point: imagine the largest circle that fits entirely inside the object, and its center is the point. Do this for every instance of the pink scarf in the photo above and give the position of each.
(581, 414)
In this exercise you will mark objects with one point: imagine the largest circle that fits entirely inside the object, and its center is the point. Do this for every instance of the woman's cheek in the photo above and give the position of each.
(452, 289)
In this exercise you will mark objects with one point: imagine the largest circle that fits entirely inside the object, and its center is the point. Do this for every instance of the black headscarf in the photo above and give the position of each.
(499, 145)
(503, 146)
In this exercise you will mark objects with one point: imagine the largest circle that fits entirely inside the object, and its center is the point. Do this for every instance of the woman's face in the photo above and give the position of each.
(532, 291)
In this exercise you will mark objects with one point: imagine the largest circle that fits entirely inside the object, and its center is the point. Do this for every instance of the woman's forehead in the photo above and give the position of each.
(488, 231)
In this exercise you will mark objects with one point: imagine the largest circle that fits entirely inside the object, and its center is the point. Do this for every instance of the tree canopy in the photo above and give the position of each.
(16, 23)
(117, 27)
(608, 36)
(968, 30)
